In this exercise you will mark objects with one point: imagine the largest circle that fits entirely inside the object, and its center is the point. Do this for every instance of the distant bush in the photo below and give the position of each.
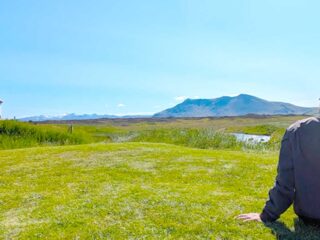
(102, 133)
(14, 134)
(198, 138)
(276, 137)
(265, 129)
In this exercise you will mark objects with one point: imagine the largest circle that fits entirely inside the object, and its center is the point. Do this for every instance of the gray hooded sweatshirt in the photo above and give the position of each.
(298, 178)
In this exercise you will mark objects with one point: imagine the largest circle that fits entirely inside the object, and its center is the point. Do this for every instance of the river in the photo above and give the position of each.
(251, 138)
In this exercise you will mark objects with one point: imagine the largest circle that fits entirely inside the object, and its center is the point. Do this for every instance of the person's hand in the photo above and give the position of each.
(249, 217)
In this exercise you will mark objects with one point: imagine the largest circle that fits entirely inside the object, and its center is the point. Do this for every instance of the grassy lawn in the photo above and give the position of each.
(135, 191)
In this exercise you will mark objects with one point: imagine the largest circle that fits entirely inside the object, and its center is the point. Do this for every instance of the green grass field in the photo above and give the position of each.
(133, 191)
(139, 190)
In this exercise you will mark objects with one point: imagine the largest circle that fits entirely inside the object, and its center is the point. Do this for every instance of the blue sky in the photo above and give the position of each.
(129, 57)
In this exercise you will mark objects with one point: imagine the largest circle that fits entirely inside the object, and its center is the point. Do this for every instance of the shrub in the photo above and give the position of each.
(265, 129)
(14, 134)
(198, 138)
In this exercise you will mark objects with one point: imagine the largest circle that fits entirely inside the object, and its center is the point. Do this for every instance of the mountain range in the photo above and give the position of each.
(240, 105)
(73, 116)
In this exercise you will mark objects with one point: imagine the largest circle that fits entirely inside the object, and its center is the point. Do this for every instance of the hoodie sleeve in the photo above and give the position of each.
(282, 194)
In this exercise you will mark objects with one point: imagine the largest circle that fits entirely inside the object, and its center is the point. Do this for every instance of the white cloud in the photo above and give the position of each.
(121, 105)
(180, 98)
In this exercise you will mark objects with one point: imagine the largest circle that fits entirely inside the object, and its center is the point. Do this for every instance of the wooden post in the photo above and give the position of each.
(70, 129)
(0, 108)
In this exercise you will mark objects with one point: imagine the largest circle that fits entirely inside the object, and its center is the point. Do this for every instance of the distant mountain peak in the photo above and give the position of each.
(239, 105)
(245, 95)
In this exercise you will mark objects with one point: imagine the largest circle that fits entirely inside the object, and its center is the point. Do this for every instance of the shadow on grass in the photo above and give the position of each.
(301, 231)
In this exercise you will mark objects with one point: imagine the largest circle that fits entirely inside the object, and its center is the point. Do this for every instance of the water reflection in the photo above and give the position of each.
(251, 138)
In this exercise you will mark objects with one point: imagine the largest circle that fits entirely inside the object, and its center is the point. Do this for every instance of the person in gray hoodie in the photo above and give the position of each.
(298, 178)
